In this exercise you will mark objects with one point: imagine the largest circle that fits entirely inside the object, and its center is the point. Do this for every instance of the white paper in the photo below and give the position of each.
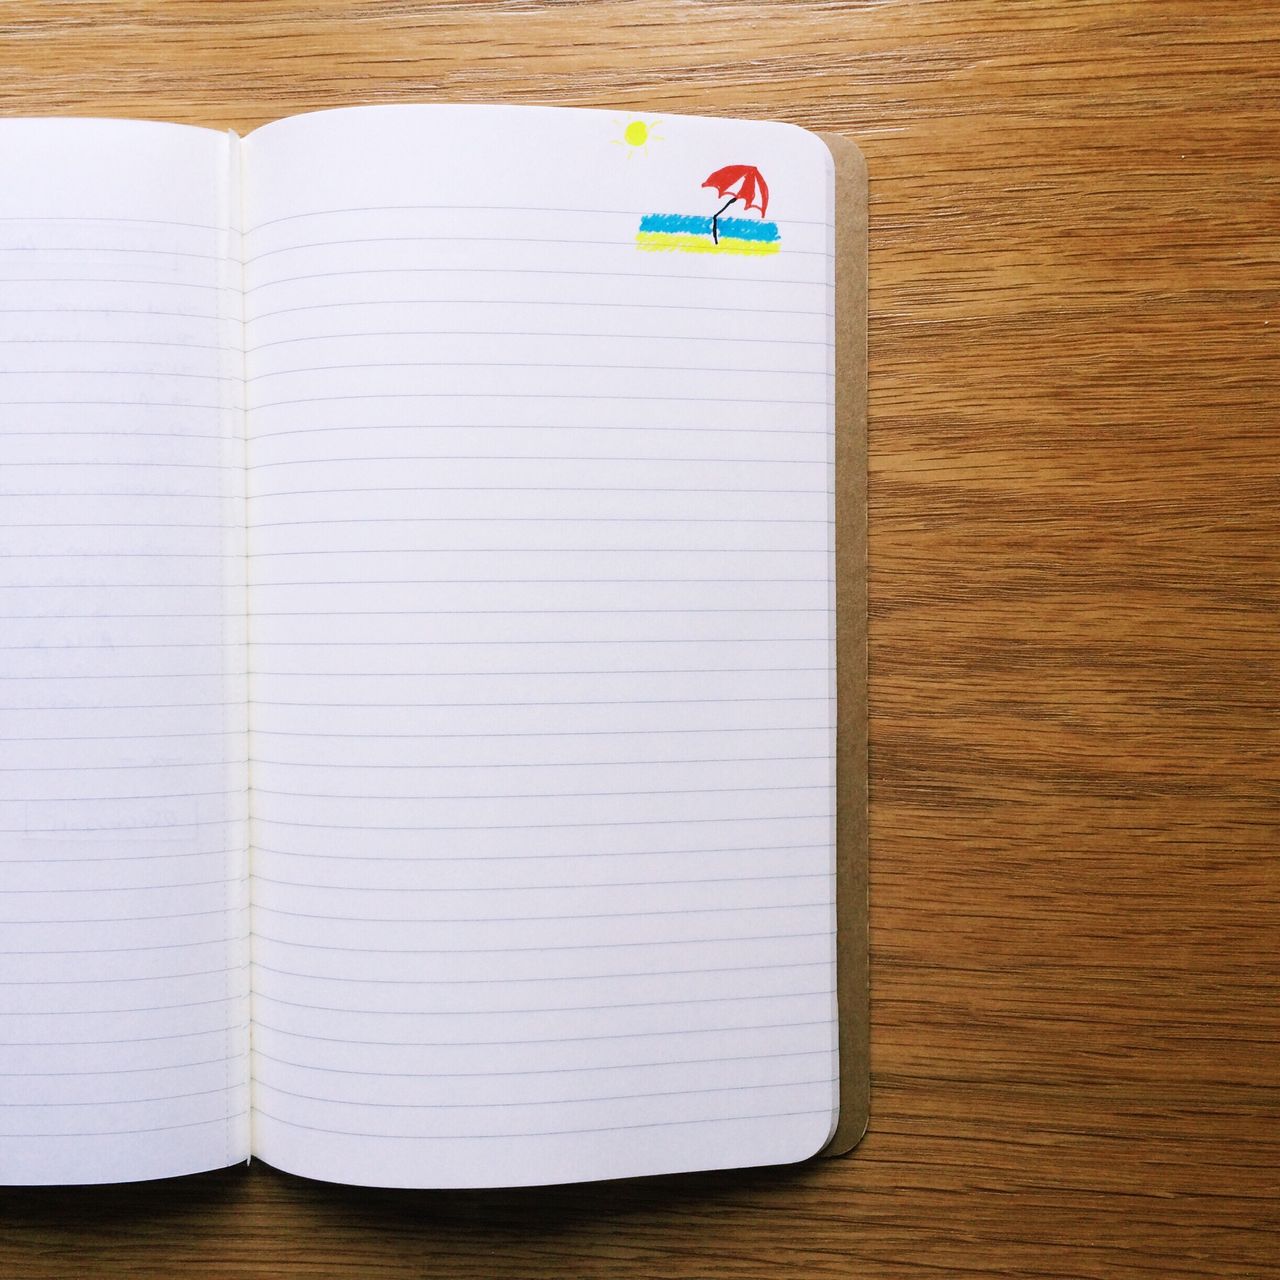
(542, 650)
(123, 934)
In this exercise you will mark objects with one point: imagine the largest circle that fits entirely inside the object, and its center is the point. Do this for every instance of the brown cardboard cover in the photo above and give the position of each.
(852, 990)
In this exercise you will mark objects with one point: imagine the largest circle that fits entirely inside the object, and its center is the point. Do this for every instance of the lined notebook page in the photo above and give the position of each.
(542, 717)
(123, 939)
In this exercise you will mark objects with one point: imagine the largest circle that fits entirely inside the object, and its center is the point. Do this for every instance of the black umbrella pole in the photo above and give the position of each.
(715, 220)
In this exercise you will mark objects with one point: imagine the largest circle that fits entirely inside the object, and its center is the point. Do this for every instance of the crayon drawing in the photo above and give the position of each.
(636, 136)
(698, 233)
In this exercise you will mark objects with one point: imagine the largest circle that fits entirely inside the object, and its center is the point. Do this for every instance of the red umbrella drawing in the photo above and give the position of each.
(739, 182)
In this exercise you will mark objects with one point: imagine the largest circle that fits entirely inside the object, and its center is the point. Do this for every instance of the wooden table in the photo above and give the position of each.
(1075, 551)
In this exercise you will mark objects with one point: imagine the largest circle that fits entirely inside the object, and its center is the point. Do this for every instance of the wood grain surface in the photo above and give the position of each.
(1075, 628)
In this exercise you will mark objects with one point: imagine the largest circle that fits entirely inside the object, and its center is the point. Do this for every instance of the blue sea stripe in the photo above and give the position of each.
(691, 224)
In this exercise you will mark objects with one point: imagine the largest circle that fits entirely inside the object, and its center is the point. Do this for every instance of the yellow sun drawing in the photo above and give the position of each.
(636, 135)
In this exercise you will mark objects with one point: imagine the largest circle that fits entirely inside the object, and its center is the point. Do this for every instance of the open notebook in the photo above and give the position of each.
(418, 660)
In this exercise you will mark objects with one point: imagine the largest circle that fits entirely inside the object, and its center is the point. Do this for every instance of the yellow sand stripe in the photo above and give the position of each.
(668, 241)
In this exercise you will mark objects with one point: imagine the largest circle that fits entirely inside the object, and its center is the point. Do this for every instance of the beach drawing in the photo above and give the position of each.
(741, 184)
